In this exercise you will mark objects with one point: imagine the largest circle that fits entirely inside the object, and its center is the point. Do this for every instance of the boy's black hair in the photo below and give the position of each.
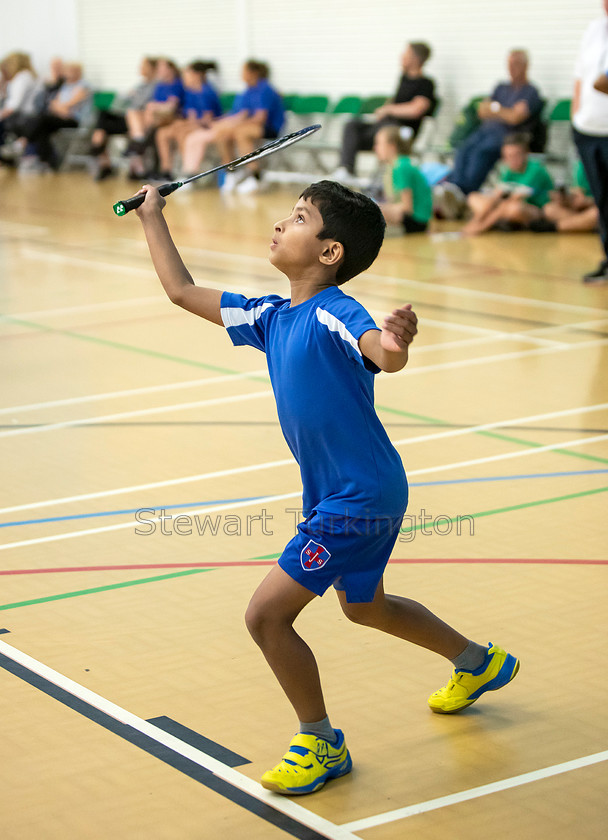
(352, 219)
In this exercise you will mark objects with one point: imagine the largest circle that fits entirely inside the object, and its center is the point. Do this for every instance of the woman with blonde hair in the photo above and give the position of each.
(22, 91)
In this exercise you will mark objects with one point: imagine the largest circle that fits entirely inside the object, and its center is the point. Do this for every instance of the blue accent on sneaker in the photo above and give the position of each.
(501, 679)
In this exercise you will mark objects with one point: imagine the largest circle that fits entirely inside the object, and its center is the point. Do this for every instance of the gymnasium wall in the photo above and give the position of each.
(325, 46)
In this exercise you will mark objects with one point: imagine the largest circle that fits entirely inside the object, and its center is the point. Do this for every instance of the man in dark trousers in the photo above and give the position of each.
(590, 125)
(413, 100)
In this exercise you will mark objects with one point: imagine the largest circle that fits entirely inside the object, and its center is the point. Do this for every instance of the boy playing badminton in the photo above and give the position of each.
(323, 350)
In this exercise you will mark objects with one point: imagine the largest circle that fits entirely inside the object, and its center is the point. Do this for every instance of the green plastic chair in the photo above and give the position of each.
(226, 101)
(102, 99)
(312, 104)
(347, 105)
(560, 112)
(370, 103)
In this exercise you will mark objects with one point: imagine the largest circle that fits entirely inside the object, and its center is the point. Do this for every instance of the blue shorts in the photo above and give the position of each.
(349, 552)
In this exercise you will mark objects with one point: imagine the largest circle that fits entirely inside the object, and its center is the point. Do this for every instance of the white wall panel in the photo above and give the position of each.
(328, 46)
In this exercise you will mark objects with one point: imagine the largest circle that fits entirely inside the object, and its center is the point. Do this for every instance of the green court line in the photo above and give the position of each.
(257, 378)
(496, 435)
(483, 513)
(95, 589)
(117, 345)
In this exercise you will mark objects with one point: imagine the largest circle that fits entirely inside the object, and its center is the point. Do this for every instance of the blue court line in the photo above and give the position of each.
(254, 498)
(126, 510)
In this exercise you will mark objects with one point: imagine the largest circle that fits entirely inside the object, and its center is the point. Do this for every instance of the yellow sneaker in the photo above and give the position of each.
(465, 687)
(308, 764)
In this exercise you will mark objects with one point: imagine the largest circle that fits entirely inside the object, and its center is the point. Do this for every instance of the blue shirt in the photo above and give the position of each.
(202, 101)
(163, 91)
(508, 95)
(262, 97)
(324, 390)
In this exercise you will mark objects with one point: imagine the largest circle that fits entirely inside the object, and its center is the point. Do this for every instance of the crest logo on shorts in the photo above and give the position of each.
(313, 556)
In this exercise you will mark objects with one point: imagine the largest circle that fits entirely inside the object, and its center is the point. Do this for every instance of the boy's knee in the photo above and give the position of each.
(358, 613)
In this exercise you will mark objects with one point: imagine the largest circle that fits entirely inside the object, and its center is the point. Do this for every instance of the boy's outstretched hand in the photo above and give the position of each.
(388, 347)
(399, 329)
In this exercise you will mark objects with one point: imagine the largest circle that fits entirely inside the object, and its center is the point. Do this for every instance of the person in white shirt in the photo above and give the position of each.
(22, 90)
(590, 125)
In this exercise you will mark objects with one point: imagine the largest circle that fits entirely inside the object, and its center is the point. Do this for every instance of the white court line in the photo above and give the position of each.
(459, 290)
(170, 482)
(88, 307)
(284, 462)
(406, 372)
(522, 453)
(500, 357)
(533, 418)
(86, 421)
(475, 793)
(131, 392)
(218, 768)
(132, 523)
(400, 281)
(50, 256)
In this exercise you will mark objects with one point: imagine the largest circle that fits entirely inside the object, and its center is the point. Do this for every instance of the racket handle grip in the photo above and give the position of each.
(121, 208)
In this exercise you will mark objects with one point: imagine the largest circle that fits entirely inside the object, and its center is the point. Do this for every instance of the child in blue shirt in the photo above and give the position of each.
(323, 350)
(257, 114)
(201, 106)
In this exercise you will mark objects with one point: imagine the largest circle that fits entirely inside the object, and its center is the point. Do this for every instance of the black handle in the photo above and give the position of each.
(121, 208)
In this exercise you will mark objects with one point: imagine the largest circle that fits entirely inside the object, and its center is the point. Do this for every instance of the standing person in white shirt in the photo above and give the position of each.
(590, 126)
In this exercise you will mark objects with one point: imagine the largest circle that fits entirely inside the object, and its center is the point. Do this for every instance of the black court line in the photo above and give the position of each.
(163, 753)
(4, 630)
(199, 742)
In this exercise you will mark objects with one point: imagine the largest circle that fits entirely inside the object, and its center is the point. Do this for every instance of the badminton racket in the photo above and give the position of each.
(123, 207)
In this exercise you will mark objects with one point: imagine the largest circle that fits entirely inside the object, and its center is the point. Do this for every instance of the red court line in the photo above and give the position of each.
(244, 563)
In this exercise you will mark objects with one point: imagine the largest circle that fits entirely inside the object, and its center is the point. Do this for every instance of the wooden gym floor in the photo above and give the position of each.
(133, 702)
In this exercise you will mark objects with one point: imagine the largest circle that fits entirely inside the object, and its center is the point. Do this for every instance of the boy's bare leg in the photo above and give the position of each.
(583, 221)
(270, 615)
(407, 620)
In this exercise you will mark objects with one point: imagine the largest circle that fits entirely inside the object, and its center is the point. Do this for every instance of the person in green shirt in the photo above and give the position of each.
(569, 209)
(408, 200)
(523, 189)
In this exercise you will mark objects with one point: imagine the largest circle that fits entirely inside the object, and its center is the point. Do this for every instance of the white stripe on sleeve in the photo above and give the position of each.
(235, 316)
(332, 323)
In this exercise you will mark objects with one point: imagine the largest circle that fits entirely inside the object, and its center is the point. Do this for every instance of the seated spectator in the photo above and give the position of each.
(21, 93)
(413, 100)
(520, 195)
(571, 209)
(164, 106)
(66, 108)
(201, 107)
(113, 121)
(257, 113)
(408, 201)
(513, 105)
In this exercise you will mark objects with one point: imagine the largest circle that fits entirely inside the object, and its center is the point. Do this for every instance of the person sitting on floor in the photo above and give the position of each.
(408, 200)
(522, 191)
(513, 106)
(569, 210)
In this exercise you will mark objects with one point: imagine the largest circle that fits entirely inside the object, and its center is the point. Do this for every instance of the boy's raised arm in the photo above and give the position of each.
(173, 274)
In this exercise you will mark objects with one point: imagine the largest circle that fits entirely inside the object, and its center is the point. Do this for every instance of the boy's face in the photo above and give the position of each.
(515, 157)
(295, 246)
